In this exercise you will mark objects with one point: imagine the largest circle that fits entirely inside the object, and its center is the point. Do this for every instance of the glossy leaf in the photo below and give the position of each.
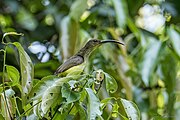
(131, 109)
(13, 74)
(111, 84)
(39, 89)
(27, 71)
(69, 94)
(93, 105)
(51, 96)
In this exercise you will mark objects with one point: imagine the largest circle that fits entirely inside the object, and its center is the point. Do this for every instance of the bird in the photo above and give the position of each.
(82, 55)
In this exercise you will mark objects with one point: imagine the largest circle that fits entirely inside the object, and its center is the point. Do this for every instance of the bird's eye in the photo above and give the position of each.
(95, 41)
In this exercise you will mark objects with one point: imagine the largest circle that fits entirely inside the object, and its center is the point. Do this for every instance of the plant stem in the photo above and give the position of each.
(55, 111)
(16, 106)
(3, 80)
(28, 109)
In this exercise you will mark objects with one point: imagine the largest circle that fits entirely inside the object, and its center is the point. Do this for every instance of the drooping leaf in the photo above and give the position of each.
(175, 39)
(77, 9)
(121, 12)
(93, 105)
(11, 33)
(69, 33)
(111, 84)
(13, 74)
(131, 109)
(27, 71)
(150, 58)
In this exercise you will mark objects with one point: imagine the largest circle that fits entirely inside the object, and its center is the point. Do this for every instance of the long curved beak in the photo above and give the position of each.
(113, 41)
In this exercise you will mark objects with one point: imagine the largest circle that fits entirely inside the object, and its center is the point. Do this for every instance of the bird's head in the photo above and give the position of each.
(93, 44)
(96, 42)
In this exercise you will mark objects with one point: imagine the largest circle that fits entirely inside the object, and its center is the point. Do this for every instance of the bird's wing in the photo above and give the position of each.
(71, 62)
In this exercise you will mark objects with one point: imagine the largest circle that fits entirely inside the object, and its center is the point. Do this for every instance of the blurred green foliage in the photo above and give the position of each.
(147, 69)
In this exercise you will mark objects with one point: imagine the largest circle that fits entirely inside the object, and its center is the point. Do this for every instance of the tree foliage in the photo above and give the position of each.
(137, 81)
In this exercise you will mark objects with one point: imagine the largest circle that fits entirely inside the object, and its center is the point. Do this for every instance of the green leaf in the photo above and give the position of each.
(175, 39)
(63, 113)
(37, 108)
(81, 111)
(13, 74)
(131, 109)
(26, 108)
(169, 69)
(105, 101)
(77, 9)
(69, 94)
(1, 117)
(133, 28)
(121, 12)
(69, 36)
(150, 58)
(63, 80)
(93, 105)
(39, 89)
(115, 111)
(111, 84)
(52, 96)
(49, 90)
(27, 71)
